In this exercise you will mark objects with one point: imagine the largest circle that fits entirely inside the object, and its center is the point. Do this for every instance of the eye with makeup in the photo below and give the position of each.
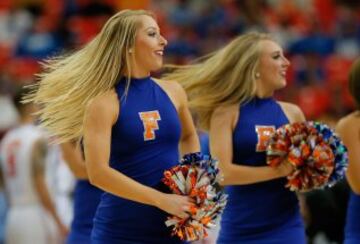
(277, 56)
(152, 34)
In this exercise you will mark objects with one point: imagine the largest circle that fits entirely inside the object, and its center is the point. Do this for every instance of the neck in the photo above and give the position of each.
(137, 73)
(264, 94)
(26, 119)
(262, 91)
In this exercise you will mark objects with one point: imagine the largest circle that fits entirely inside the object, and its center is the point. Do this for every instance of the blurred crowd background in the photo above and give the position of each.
(321, 38)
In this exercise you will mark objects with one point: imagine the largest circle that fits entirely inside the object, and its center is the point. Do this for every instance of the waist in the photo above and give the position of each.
(354, 200)
(354, 206)
(84, 191)
(239, 225)
(261, 204)
(119, 217)
(147, 171)
(109, 200)
(353, 214)
(274, 189)
(120, 206)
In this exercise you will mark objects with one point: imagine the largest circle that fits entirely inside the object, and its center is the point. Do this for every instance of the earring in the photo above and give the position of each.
(130, 50)
(257, 75)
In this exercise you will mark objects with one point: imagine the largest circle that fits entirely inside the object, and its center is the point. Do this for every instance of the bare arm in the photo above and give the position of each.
(73, 157)
(349, 131)
(292, 112)
(221, 130)
(38, 161)
(189, 141)
(100, 116)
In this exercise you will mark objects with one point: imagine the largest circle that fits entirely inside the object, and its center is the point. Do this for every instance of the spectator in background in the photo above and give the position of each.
(23, 153)
(40, 42)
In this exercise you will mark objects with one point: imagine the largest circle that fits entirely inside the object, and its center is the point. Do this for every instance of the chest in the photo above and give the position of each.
(255, 126)
(146, 118)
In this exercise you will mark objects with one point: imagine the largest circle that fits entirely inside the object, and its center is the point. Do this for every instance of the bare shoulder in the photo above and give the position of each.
(292, 112)
(226, 114)
(103, 100)
(349, 122)
(228, 110)
(170, 86)
(175, 92)
(106, 104)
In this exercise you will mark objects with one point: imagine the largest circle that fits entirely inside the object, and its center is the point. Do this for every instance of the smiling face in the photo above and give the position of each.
(272, 67)
(148, 48)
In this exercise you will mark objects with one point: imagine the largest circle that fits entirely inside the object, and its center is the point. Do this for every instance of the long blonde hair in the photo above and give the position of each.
(224, 77)
(68, 83)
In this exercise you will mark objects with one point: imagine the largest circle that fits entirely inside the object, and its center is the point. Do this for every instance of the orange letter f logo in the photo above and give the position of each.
(264, 134)
(150, 122)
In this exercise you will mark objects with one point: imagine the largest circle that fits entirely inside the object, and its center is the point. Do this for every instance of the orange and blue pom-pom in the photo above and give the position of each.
(339, 150)
(197, 176)
(318, 156)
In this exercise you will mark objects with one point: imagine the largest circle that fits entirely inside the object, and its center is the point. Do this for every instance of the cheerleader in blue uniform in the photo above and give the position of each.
(232, 93)
(349, 131)
(132, 126)
(83, 214)
(142, 152)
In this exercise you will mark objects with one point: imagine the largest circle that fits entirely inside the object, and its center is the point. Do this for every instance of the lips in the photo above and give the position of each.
(159, 52)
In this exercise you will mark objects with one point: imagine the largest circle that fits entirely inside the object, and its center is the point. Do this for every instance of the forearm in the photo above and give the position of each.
(45, 199)
(189, 144)
(243, 175)
(120, 185)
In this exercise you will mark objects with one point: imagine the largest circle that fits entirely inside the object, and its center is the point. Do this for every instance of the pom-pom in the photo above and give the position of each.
(317, 154)
(196, 176)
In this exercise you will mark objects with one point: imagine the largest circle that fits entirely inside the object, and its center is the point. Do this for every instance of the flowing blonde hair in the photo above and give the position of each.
(224, 77)
(68, 83)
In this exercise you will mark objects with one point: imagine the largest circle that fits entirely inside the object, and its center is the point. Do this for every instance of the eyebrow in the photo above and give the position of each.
(151, 27)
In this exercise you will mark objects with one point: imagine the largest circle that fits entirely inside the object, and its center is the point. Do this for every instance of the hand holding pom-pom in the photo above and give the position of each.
(175, 204)
(196, 177)
(318, 156)
(284, 169)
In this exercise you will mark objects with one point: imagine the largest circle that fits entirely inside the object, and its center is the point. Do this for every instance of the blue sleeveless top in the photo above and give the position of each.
(144, 143)
(352, 228)
(86, 200)
(264, 212)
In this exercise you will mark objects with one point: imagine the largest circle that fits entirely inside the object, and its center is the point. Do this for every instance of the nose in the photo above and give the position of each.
(286, 62)
(163, 41)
